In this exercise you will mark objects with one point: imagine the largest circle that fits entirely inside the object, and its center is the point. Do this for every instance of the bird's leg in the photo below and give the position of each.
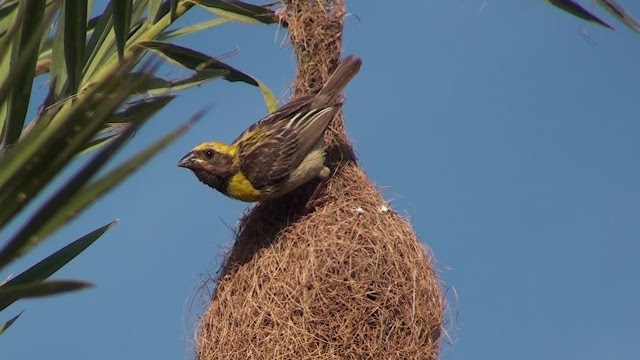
(315, 199)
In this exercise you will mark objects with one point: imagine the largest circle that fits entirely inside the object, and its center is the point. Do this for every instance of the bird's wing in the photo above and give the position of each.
(275, 146)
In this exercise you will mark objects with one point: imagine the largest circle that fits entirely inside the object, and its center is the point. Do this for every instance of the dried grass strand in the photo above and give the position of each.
(349, 281)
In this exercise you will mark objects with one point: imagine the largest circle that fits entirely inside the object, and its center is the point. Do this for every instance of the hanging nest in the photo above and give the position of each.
(350, 280)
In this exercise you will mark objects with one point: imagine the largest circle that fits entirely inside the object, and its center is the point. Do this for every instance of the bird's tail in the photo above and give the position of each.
(346, 70)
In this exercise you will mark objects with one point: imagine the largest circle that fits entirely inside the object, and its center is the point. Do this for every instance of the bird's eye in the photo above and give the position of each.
(208, 154)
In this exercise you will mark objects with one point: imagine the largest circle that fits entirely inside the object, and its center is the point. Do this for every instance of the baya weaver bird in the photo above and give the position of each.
(278, 153)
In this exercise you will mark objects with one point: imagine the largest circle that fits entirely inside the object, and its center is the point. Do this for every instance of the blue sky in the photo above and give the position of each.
(509, 139)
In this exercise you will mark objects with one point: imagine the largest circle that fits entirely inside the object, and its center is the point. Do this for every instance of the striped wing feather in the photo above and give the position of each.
(275, 145)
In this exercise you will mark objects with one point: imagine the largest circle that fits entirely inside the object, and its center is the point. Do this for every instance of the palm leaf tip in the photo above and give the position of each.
(7, 324)
(619, 12)
(41, 289)
(577, 10)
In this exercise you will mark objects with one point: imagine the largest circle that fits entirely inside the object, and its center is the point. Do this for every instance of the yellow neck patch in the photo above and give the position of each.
(240, 188)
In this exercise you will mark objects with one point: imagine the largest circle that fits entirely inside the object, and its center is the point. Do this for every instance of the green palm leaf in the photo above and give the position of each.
(619, 12)
(100, 92)
(577, 10)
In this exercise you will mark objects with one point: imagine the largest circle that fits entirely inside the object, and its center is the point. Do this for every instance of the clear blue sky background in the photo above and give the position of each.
(509, 139)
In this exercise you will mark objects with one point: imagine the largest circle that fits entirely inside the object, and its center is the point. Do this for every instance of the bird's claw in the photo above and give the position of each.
(312, 204)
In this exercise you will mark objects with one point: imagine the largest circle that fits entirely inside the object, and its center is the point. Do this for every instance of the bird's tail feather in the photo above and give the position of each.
(346, 70)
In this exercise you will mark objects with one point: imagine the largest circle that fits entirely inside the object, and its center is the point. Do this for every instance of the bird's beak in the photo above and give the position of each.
(188, 160)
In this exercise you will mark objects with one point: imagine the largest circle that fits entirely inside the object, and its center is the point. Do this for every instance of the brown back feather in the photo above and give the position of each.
(272, 148)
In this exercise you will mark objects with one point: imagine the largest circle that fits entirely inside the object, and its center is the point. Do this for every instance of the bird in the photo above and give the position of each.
(278, 153)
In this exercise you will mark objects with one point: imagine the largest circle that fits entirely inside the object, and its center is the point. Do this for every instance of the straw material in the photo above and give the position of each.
(350, 280)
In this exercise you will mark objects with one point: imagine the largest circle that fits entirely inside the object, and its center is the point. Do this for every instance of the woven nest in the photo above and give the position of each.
(350, 280)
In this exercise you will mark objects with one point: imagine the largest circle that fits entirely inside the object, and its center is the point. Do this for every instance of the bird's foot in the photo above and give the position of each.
(312, 204)
(316, 199)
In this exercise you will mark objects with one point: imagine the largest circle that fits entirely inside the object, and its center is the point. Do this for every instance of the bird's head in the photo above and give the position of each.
(213, 163)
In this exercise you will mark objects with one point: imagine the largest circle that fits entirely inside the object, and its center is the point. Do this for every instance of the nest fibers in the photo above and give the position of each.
(349, 281)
